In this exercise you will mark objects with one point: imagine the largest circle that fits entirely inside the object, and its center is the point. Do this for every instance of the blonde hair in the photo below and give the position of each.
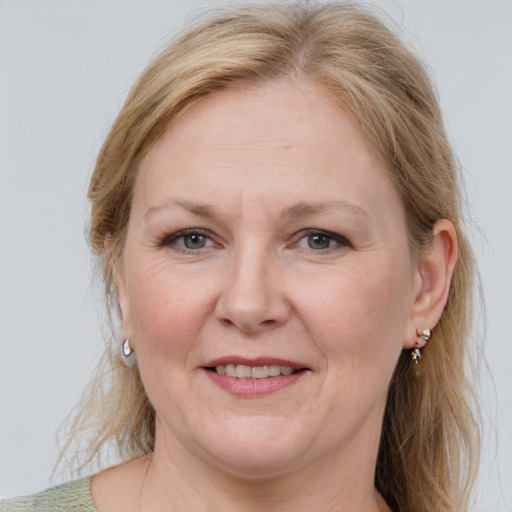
(429, 446)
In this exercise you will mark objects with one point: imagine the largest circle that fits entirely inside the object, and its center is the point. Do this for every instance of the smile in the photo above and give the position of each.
(261, 376)
(243, 371)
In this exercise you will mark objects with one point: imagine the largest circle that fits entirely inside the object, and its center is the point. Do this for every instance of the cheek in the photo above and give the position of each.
(167, 308)
(360, 313)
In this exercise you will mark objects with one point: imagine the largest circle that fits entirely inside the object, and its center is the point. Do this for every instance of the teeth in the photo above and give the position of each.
(242, 371)
(259, 372)
(286, 370)
(274, 370)
(230, 370)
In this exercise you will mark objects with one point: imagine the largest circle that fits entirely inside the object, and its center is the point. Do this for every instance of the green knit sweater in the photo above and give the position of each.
(71, 497)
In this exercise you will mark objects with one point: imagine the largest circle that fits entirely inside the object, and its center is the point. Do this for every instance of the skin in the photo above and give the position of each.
(251, 171)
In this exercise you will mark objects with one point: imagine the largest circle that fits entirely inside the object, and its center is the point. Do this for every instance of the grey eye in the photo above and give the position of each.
(189, 240)
(319, 241)
(194, 241)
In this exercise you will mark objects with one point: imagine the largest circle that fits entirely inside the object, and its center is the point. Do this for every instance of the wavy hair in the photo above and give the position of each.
(429, 445)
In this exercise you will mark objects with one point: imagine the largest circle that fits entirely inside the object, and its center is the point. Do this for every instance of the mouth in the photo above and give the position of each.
(251, 378)
(244, 371)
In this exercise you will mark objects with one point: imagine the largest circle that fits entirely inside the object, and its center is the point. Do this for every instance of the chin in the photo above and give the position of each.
(257, 448)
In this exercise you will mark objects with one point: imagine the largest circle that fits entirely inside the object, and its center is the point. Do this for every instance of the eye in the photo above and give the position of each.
(190, 240)
(319, 240)
(194, 241)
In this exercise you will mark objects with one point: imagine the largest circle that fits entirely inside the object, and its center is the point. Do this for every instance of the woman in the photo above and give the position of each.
(277, 214)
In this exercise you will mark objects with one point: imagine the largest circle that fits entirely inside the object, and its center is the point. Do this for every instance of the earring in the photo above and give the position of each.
(423, 338)
(127, 350)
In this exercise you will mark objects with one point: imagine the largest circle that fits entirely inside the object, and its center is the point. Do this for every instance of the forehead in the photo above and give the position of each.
(278, 141)
(275, 114)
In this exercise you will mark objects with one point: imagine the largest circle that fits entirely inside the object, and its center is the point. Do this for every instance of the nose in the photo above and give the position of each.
(252, 298)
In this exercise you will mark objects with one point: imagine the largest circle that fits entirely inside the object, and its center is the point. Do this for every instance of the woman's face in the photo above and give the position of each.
(266, 239)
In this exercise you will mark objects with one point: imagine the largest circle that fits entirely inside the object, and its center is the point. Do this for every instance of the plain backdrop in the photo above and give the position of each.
(65, 68)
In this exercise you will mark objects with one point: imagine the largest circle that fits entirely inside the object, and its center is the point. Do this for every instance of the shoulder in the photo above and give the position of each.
(71, 497)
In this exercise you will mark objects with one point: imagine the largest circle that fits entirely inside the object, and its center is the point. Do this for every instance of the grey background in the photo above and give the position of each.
(65, 68)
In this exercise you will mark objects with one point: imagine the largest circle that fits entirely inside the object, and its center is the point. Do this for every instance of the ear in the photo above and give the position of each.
(120, 287)
(433, 277)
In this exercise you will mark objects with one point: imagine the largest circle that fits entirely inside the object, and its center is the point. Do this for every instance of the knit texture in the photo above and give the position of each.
(70, 497)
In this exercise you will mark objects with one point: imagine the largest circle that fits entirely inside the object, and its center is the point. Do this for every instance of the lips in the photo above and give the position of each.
(252, 377)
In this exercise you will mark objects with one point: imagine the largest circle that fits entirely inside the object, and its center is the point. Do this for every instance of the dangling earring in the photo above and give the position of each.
(127, 350)
(423, 338)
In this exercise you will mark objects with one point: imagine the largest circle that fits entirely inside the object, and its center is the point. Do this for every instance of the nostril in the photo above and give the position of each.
(251, 305)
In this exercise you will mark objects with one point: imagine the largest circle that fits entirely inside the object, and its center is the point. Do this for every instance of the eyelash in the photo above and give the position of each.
(175, 237)
(339, 240)
(329, 236)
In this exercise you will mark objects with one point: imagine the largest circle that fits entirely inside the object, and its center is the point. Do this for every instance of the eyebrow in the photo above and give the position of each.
(301, 209)
(198, 209)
